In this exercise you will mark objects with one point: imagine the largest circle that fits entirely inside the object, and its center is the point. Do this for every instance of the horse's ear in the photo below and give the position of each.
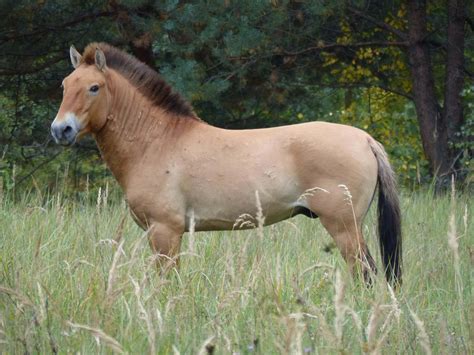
(75, 57)
(100, 59)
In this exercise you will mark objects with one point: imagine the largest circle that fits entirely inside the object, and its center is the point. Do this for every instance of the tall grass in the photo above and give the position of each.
(79, 277)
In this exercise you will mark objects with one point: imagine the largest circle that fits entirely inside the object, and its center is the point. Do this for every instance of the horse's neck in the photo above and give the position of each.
(132, 124)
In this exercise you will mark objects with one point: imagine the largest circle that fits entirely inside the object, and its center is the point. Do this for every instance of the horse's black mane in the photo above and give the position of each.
(141, 76)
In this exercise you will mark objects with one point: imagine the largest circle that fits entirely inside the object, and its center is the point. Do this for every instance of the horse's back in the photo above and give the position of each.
(323, 151)
(225, 168)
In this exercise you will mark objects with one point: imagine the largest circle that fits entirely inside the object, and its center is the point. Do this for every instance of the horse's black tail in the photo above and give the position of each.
(389, 216)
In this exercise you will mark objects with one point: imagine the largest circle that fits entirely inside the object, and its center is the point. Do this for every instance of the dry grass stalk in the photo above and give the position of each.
(443, 336)
(339, 307)
(322, 324)
(192, 225)
(138, 244)
(315, 314)
(144, 315)
(119, 232)
(372, 326)
(38, 247)
(453, 244)
(294, 336)
(42, 307)
(375, 345)
(259, 216)
(316, 266)
(245, 220)
(310, 193)
(109, 293)
(13, 178)
(348, 199)
(175, 350)
(99, 335)
(58, 207)
(464, 218)
(159, 321)
(99, 198)
(385, 330)
(87, 185)
(207, 347)
(422, 334)
(239, 258)
(23, 300)
(397, 311)
(105, 198)
(452, 233)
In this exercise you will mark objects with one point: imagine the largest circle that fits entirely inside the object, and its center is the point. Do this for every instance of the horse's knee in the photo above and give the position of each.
(165, 242)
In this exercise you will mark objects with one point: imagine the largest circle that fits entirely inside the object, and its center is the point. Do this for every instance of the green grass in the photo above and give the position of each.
(66, 286)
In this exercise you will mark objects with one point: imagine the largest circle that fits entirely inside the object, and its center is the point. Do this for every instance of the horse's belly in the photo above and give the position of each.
(245, 214)
(242, 221)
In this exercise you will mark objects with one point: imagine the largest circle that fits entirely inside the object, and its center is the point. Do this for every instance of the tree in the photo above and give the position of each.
(253, 64)
(439, 124)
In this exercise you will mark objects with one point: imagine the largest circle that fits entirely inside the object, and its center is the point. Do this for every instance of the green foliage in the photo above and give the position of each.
(465, 137)
(243, 64)
(392, 121)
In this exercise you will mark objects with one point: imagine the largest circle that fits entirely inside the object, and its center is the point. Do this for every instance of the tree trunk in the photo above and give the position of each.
(432, 128)
(454, 81)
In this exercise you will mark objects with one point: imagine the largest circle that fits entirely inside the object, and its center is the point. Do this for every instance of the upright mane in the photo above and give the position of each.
(142, 77)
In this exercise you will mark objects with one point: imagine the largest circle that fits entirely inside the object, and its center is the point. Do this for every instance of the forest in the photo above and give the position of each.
(401, 70)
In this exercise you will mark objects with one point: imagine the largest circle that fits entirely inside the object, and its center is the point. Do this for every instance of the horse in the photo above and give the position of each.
(180, 173)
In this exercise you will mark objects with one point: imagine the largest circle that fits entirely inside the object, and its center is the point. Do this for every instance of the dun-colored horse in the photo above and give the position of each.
(175, 168)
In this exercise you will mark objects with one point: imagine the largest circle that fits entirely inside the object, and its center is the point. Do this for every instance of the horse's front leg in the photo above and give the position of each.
(165, 242)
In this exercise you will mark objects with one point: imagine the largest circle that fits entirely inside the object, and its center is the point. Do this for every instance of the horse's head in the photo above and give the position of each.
(84, 106)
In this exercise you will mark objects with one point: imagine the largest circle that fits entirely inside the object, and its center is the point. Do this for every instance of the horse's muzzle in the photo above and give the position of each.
(65, 132)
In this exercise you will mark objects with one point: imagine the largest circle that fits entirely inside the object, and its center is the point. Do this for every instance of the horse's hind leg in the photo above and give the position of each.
(347, 235)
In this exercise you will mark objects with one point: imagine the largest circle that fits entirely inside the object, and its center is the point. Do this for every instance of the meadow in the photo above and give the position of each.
(78, 277)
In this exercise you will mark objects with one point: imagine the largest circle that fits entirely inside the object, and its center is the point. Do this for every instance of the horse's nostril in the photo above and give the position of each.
(67, 129)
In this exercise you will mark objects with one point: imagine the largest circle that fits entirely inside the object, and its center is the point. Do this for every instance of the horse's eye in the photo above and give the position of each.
(94, 88)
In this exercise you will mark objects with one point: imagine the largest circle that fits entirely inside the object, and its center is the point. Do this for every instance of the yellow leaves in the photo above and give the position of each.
(345, 27)
(402, 11)
(353, 73)
(381, 113)
(385, 115)
(365, 53)
(329, 59)
(398, 20)
(346, 37)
